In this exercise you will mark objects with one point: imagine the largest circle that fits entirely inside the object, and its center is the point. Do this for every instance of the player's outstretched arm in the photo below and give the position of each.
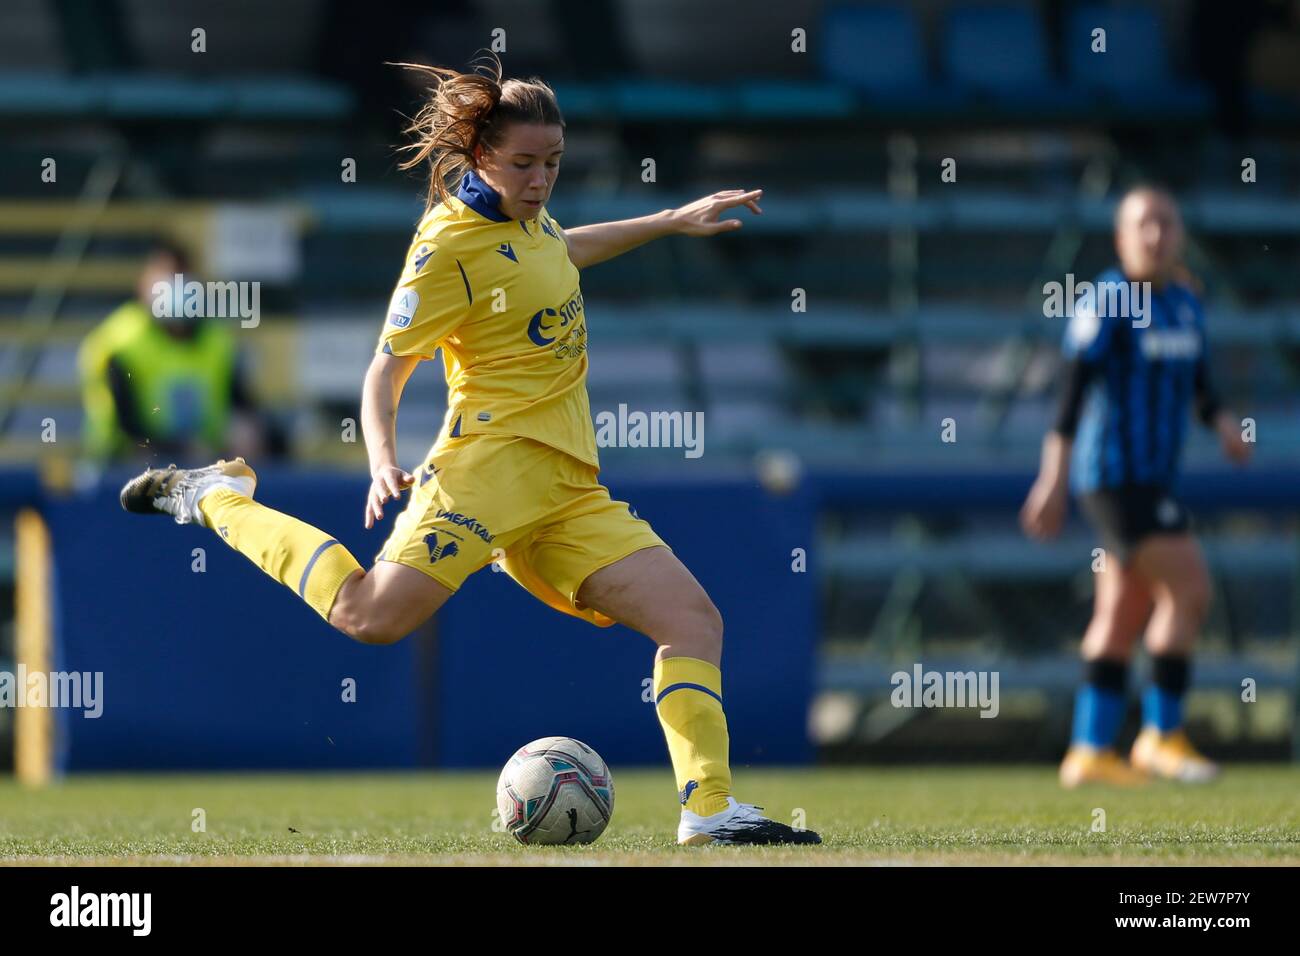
(589, 245)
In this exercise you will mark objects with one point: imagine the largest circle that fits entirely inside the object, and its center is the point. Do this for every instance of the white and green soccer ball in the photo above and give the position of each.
(555, 790)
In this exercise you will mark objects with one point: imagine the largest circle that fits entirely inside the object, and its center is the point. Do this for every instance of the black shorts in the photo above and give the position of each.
(1124, 516)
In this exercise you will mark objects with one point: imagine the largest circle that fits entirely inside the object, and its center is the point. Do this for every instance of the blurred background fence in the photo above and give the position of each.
(826, 343)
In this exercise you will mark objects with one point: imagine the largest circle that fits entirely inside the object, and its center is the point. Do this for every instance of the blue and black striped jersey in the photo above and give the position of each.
(1130, 382)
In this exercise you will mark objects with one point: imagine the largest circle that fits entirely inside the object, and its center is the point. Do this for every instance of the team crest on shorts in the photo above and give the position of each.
(436, 551)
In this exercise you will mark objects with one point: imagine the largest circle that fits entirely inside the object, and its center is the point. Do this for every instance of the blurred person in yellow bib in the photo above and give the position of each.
(157, 381)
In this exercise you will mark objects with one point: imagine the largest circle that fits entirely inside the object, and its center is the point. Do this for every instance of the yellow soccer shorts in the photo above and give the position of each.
(539, 513)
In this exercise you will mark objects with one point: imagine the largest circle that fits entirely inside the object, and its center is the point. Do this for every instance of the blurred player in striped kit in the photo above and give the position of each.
(1129, 382)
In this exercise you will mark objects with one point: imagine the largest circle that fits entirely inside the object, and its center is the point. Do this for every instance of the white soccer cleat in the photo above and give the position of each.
(177, 491)
(740, 823)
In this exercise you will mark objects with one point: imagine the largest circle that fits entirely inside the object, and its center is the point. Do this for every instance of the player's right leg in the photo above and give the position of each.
(384, 604)
(1120, 611)
(376, 607)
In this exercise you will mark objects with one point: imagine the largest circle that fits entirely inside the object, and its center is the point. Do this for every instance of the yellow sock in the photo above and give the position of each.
(688, 699)
(293, 552)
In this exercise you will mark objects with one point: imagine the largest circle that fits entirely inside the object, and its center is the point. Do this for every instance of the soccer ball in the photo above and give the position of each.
(555, 790)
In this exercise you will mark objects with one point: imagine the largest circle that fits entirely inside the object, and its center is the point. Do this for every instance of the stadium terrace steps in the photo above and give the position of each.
(283, 99)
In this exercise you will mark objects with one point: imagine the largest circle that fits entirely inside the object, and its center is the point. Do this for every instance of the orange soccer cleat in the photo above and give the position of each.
(1084, 764)
(1171, 756)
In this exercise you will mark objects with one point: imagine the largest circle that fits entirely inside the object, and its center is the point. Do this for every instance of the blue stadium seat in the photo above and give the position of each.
(877, 51)
(1134, 73)
(873, 49)
(996, 50)
(997, 55)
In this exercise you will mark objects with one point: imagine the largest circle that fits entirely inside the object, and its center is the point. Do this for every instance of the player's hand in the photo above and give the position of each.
(1234, 446)
(1043, 512)
(700, 218)
(387, 482)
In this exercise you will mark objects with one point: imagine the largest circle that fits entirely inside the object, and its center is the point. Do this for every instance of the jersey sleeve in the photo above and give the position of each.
(1087, 339)
(431, 299)
(1088, 335)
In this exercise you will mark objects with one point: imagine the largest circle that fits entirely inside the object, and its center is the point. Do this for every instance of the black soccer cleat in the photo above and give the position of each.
(176, 491)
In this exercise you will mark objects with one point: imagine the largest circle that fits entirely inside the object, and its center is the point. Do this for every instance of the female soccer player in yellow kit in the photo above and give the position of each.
(492, 280)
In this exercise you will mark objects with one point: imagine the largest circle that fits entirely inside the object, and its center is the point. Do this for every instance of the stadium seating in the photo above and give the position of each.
(923, 297)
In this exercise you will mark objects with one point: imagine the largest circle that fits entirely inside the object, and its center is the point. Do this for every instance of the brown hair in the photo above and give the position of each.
(466, 110)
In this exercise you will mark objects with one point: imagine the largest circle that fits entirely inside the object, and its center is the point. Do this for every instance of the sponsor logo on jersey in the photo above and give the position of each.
(508, 251)
(1171, 344)
(468, 522)
(547, 325)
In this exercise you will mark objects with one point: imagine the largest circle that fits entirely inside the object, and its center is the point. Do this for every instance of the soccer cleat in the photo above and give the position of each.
(1084, 764)
(740, 823)
(1171, 756)
(176, 491)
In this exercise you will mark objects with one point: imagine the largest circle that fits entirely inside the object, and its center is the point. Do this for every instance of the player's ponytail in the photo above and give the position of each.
(466, 110)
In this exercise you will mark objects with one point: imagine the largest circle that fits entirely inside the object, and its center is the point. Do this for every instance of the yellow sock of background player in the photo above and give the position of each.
(293, 552)
(688, 699)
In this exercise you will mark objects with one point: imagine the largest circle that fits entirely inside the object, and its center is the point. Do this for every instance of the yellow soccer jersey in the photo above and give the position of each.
(501, 299)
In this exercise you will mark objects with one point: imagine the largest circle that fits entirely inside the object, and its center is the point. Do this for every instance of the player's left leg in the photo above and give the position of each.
(1180, 583)
(651, 591)
(593, 558)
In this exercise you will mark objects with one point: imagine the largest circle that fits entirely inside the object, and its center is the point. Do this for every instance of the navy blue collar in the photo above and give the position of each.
(481, 197)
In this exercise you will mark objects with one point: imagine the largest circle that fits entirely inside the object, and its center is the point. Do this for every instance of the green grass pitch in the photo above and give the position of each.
(920, 815)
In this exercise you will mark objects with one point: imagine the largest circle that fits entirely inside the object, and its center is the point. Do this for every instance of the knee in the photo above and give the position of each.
(360, 620)
(1111, 620)
(1194, 598)
(701, 626)
(375, 632)
(711, 624)
(369, 630)
(1112, 631)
